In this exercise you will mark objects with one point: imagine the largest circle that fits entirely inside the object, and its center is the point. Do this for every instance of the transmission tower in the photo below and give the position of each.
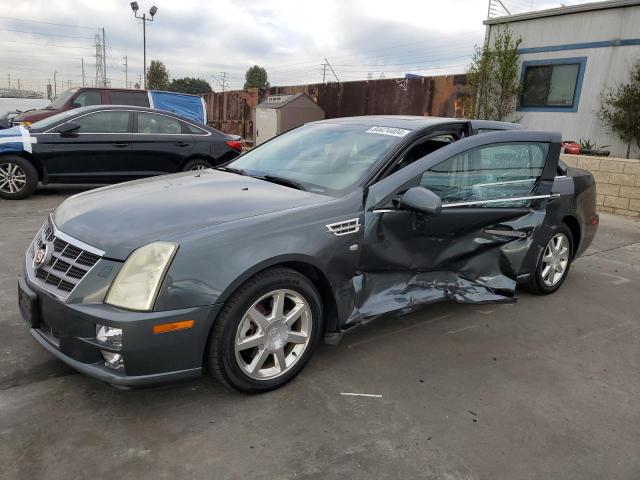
(100, 80)
(496, 7)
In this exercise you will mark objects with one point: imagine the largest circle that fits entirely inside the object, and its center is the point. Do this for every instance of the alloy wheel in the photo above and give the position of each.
(199, 166)
(273, 334)
(12, 178)
(555, 259)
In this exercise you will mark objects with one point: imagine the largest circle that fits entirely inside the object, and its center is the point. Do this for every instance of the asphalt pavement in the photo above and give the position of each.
(546, 388)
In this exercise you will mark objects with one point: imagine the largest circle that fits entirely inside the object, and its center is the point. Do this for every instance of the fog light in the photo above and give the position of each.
(111, 337)
(112, 359)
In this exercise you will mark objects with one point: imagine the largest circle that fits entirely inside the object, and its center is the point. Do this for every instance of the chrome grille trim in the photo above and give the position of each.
(69, 262)
(345, 227)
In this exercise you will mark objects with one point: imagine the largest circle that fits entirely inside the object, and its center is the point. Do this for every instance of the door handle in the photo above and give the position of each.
(182, 144)
(386, 210)
(120, 144)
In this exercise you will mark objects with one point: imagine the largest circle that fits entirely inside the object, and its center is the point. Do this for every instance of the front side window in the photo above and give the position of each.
(88, 97)
(323, 157)
(490, 172)
(112, 121)
(158, 124)
(550, 85)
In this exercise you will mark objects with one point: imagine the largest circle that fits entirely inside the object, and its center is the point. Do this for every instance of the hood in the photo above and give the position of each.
(35, 115)
(120, 218)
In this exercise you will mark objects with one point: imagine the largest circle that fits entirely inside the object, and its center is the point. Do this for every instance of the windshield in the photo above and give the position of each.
(53, 119)
(61, 100)
(322, 157)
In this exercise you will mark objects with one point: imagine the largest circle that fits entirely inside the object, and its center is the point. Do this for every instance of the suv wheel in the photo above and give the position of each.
(18, 177)
(266, 332)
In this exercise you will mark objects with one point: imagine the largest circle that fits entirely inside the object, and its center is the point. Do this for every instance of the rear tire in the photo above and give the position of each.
(18, 177)
(255, 346)
(196, 164)
(554, 263)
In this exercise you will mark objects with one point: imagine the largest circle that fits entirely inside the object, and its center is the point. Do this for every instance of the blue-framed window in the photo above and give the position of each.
(552, 85)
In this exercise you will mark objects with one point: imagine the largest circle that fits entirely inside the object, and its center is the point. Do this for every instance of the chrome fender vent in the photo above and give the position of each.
(344, 228)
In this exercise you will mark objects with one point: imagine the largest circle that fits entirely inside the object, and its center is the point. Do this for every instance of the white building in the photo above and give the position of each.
(568, 56)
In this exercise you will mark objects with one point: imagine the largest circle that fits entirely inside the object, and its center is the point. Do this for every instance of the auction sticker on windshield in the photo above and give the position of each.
(394, 132)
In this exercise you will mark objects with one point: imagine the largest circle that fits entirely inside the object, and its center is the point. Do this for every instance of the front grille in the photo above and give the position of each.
(65, 264)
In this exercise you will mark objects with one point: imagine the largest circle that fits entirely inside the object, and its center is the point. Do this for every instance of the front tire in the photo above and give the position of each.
(18, 177)
(266, 332)
(554, 263)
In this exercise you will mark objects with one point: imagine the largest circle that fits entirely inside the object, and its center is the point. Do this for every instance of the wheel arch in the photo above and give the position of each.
(305, 265)
(574, 226)
(30, 158)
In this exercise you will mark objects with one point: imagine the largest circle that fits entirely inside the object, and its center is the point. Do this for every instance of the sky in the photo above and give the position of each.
(218, 40)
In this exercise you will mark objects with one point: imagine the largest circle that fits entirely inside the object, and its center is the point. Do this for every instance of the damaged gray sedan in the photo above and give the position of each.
(242, 269)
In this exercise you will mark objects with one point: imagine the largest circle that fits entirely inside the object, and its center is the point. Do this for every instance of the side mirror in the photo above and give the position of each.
(68, 129)
(75, 105)
(420, 199)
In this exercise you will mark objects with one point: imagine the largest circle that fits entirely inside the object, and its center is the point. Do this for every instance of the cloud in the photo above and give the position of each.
(203, 38)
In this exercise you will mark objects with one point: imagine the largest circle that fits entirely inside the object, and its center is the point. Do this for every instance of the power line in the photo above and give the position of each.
(332, 70)
(44, 34)
(44, 44)
(48, 23)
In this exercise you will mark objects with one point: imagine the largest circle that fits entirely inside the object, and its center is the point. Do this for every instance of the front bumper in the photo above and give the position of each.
(68, 332)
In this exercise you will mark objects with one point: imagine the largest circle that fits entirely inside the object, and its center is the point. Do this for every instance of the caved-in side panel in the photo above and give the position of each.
(468, 255)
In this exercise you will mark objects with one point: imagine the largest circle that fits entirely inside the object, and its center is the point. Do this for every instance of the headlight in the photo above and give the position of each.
(137, 283)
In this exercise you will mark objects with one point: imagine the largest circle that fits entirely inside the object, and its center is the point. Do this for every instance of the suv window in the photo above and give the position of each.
(138, 99)
(88, 97)
(110, 121)
(489, 172)
(159, 124)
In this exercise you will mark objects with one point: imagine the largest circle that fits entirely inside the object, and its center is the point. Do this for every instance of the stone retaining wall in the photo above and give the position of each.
(618, 182)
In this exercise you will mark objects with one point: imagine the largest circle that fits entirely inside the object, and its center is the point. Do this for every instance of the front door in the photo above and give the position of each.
(98, 151)
(494, 190)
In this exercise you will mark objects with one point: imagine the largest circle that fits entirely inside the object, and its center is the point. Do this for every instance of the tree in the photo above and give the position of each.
(157, 76)
(493, 84)
(194, 86)
(620, 108)
(256, 77)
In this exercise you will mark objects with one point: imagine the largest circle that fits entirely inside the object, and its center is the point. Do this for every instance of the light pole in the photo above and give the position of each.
(152, 11)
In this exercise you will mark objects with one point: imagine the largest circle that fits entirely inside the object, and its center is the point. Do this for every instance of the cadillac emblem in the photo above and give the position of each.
(41, 256)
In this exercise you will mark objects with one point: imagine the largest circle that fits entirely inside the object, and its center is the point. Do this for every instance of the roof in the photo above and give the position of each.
(279, 101)
(91, 108)
(555, 12)
(407, 122)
